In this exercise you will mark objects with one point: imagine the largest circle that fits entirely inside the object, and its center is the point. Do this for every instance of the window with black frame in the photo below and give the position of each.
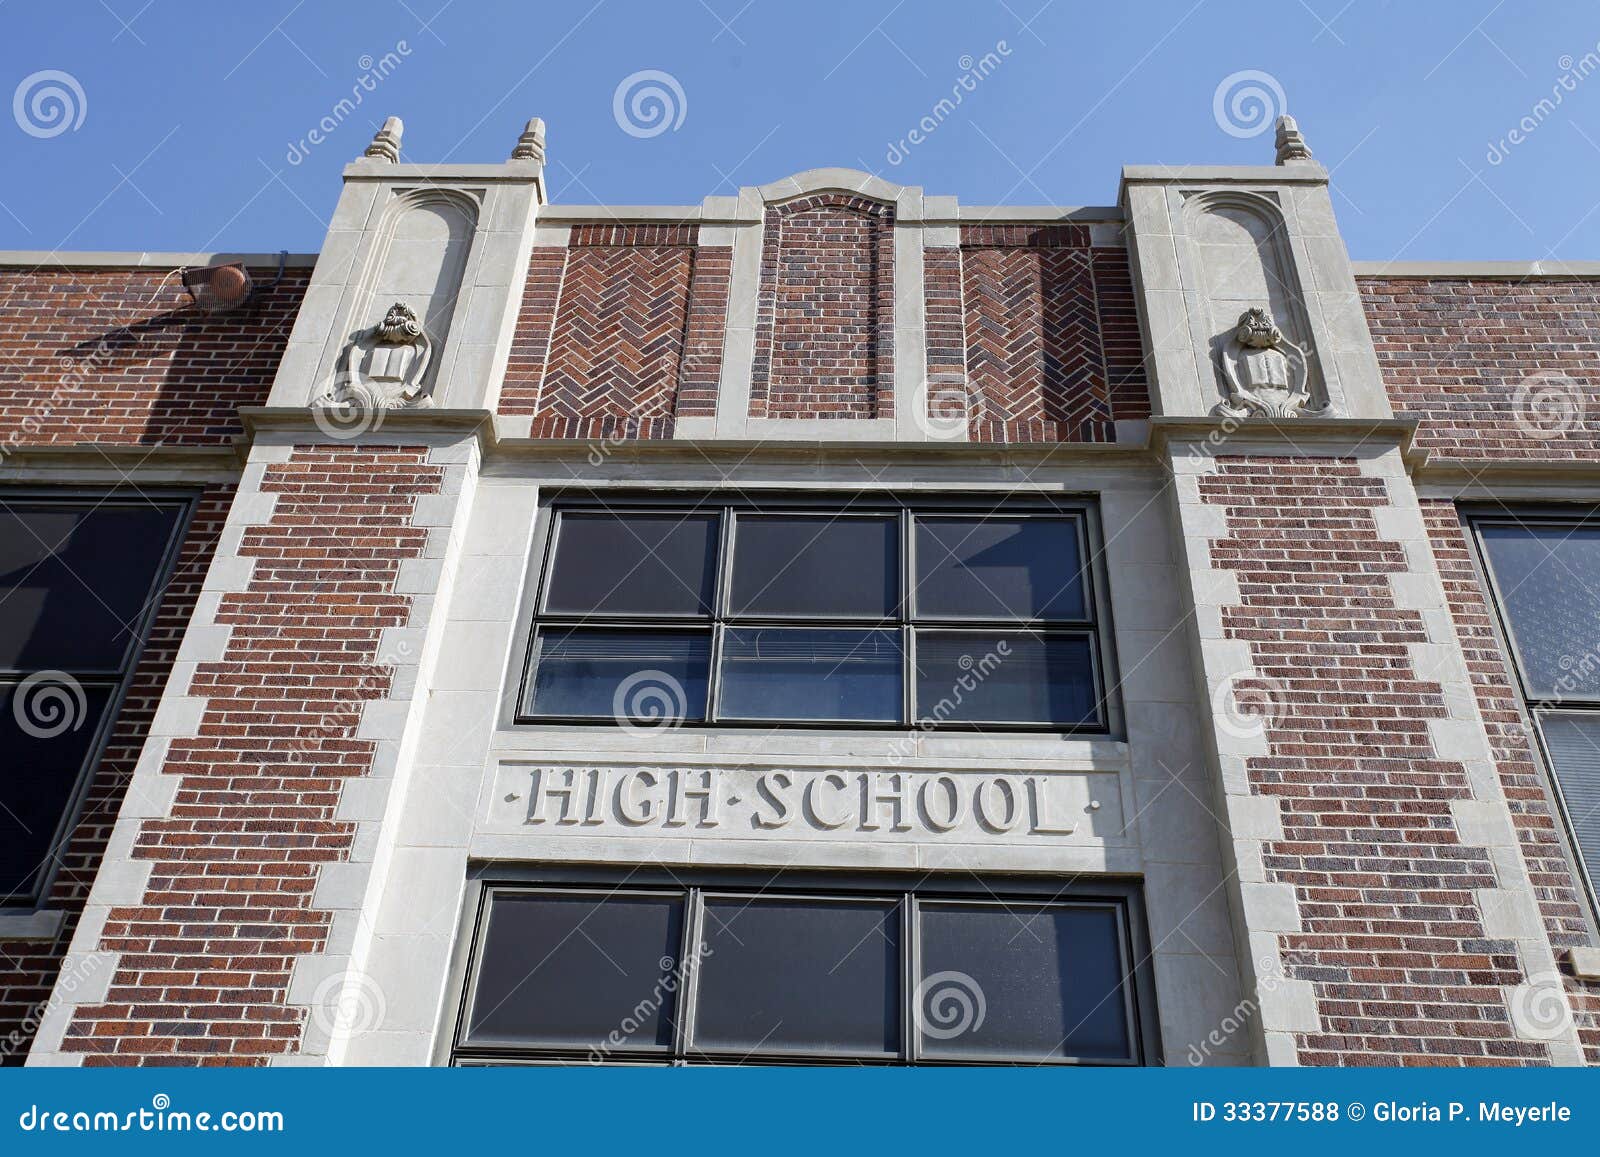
(850, 614)
(79, 579)
(781, 972)
(1544, 572)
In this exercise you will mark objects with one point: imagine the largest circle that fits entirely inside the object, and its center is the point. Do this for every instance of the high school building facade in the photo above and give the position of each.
(828, 623)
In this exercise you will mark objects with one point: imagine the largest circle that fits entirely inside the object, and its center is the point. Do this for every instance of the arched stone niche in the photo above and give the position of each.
(419, 262)
(1240, 248)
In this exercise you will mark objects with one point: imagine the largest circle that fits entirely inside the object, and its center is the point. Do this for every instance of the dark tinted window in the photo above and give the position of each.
(1573, 740)
(80, 578)
(573, 969)
(48, 729)
(986, 568)
(1014, 980)
(805, 968)
(811, 975)
(814, 616)
(1005, 677)
(642, 676)
(75, 581)
(1548, 579)
(815, 566)
(633, 564)
(777, 673)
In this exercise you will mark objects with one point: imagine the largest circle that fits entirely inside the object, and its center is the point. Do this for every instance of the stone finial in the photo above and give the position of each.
(530, 145)
(1291, 145)
(385, 144)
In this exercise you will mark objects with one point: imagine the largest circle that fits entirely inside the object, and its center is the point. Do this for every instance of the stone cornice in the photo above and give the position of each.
(133, 461)
(1479, 270)
(1300, 433)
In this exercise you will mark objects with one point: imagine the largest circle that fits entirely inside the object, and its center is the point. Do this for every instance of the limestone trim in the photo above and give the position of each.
(153, 259)
(1480, 270)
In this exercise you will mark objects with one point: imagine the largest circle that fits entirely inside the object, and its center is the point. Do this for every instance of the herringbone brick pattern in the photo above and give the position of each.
(1034, 353)
(619, 333)
(617, 341)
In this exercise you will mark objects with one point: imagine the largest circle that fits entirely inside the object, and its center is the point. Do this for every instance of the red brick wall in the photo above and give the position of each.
(206, 957)
(1560, 895)
(619, 333)
(119, 355)
(29, 968)
(825, 316)
(1392, 940)
(1492, 368)
(1053, 351)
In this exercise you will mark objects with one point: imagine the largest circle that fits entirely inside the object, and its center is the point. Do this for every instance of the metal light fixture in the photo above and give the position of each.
(218, 288)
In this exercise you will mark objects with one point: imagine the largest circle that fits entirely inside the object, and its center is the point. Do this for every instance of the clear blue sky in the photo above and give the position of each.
(189, 111)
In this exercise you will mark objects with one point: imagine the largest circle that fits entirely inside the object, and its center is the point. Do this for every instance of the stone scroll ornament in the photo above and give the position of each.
(386, 367)
(1263, 373)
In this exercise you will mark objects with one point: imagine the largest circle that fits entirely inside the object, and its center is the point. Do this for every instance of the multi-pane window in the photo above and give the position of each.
(79, 578)
(1545, 573)
(700, 972)
(844, 614)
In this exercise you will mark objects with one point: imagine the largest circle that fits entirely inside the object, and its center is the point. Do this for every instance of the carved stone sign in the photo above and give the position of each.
(1263, 373)
(386, 367)
(806, 803)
